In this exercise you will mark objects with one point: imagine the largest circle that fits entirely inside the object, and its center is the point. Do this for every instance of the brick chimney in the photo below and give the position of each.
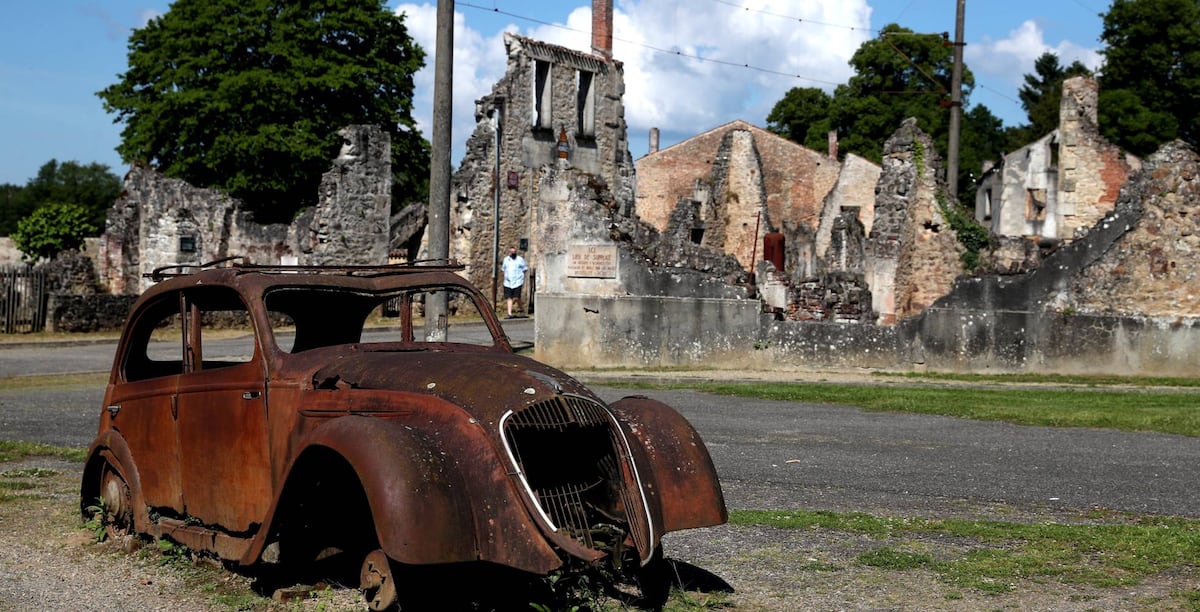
(654, 140)
(602, 26)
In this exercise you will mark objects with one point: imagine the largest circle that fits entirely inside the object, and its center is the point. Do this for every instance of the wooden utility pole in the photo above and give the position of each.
(955, 106)
(439, 165)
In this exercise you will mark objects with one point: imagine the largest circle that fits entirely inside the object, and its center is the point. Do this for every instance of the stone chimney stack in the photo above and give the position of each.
(602, 27)
(833, 144)
(654, 140)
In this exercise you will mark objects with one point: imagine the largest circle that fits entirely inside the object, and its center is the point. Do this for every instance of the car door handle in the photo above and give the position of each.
(251, 395)
(113, 410)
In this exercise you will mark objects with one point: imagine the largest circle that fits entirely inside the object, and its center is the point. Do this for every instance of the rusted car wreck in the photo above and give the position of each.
(318, 432)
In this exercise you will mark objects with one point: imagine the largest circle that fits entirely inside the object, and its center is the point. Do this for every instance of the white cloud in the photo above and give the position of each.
(813, 39)
(1010, 59)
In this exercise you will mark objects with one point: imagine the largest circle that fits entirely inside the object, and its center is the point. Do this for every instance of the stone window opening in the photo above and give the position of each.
(585, 103)
(697, 234)
(987, 205)
(1035, 204)
(187, 244)
(542, 96)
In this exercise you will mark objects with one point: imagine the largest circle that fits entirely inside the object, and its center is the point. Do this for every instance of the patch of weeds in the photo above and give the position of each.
(17, 485)
(954, 595)
(96, 523)
(30, 473)
(1191, 599)
(684, 601)
(239, 601)
(892, 558)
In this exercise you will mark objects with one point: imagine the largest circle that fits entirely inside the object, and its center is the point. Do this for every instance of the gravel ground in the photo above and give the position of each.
(49, 561)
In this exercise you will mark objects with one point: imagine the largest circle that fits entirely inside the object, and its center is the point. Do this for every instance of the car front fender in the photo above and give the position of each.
(683, 481)
(436, 492)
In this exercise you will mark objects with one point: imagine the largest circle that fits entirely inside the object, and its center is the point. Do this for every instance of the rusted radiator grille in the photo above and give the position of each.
(577, 468)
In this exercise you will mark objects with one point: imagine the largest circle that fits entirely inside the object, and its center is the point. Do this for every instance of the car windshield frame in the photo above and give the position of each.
(317, 316)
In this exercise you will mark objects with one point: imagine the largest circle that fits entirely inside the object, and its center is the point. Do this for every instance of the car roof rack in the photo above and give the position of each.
(240, 264)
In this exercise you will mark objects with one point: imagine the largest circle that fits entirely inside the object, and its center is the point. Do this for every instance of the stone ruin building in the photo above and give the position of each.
(553, 106)
(1057, 187)
(158, 220)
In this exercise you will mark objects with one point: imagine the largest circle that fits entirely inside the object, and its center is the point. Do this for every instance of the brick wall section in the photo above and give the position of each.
(1091, 170)
(1151, 270)
(795, 181)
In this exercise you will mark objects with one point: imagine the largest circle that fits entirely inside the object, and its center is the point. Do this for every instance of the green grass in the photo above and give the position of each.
(10, 451)
(1166, 412)
(1107, 555)
(1050, 379)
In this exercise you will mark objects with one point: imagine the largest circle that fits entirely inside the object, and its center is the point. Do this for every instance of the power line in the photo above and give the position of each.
(675, 52)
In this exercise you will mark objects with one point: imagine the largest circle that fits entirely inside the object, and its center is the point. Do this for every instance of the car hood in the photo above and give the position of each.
(484, 383)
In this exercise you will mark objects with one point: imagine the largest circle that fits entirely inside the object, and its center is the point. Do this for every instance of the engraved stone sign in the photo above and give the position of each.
(592, 261)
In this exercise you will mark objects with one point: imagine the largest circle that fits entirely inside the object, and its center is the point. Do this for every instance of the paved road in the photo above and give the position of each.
(780, 455)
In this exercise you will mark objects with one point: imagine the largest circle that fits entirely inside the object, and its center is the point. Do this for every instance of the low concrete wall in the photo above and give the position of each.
(631, 332)
(574, 331)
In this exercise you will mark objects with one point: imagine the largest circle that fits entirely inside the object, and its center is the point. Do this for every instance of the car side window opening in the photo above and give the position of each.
(305, 318)
(190, 331)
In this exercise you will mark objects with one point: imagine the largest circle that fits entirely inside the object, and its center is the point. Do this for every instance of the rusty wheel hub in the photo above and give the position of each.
(114, 493)
(375, 581)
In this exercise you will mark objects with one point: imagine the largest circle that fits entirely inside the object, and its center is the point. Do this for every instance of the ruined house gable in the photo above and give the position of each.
(1062, 183)
(553, 107)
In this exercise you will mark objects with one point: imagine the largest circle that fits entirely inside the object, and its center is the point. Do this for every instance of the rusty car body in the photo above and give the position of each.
(315, 433)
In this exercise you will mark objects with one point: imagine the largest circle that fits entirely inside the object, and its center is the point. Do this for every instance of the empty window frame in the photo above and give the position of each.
(542, 98)
(585, 102)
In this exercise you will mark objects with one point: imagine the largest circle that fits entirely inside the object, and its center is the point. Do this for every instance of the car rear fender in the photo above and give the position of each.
(682, 479)
(436, 494)
(110, 447)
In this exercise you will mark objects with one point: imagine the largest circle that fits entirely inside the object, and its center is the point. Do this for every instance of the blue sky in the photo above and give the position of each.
(55, 54)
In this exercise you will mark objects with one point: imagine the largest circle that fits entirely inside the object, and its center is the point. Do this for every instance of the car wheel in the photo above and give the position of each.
(377, 581)
(116, 501)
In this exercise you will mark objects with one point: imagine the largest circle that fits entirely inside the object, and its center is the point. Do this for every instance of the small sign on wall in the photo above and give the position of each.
(592, 261)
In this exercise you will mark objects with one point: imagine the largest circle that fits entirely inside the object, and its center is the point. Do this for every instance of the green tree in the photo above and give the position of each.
(92, 186)
(248, 95)
(802, 116)
(1041, 95)
(1150, 84)
(898, 75)
(53, 228)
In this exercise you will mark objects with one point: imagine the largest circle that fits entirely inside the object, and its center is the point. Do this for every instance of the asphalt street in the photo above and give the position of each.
(784, 455)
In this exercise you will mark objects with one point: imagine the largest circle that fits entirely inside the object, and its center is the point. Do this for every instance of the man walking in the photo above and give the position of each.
(514, 267)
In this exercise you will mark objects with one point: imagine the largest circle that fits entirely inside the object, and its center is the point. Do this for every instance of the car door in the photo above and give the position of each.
(142, 402)
(223, 438)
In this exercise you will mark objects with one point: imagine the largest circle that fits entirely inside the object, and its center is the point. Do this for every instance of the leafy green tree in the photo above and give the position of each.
(1041, 95)
(53, 228)
(14, 206)
(1150, 84)
(248, 95)
(92, 186)
(802, 116)
(898, 75)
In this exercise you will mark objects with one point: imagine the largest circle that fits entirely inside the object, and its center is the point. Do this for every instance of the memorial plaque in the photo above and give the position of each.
(592, 261)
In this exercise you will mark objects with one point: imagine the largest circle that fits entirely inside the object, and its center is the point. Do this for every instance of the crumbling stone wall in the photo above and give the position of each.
(912, 253)
(159, 221)
(551, 102)
(1151, 269)
(351, 222)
